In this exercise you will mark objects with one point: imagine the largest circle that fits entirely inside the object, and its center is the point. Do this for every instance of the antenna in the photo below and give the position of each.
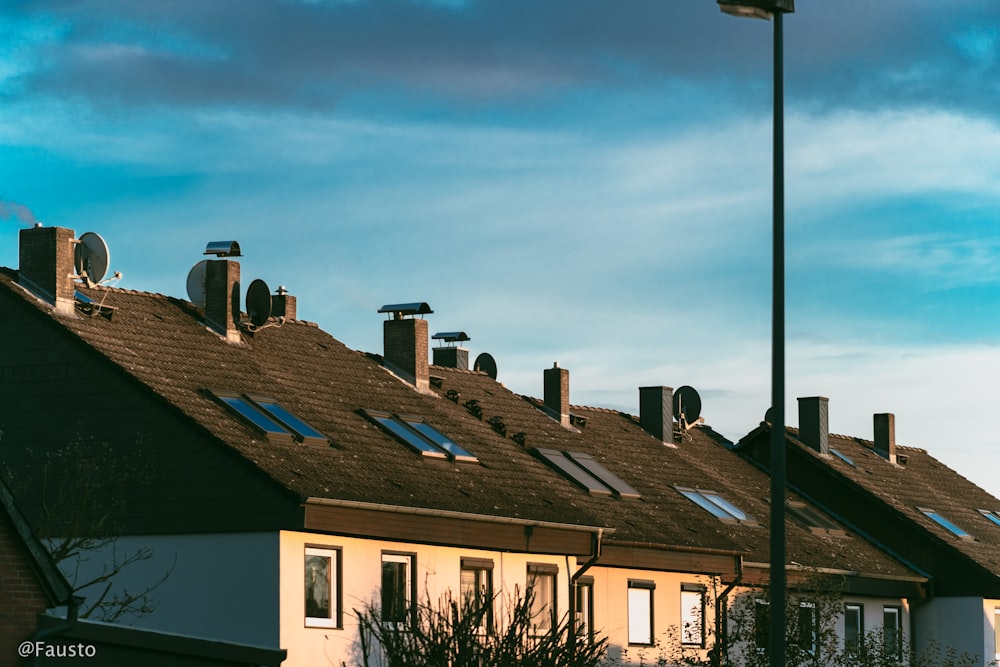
(485, 363)
(196, 283)
(687, 406)
(258, 302)
(91, 258)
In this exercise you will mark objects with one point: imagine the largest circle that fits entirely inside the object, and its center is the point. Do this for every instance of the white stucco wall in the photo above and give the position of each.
(220, 586)
(965, 623)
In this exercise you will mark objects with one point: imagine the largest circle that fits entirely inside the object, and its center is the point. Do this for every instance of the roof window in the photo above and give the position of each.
(992, 516)
(721, 508)
(270, 417)
(945, 523)
(420, 436)
(587, 473)
(813, 520)
(842, 457)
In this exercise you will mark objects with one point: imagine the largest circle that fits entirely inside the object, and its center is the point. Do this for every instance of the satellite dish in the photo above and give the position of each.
(196, 283)
(91, 257)
(687, 404)
(485, 363)
(258, 302)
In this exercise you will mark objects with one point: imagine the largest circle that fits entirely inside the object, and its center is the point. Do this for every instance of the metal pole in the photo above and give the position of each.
(778, 578)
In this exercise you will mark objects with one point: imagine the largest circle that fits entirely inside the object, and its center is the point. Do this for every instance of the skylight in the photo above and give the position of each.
(842, 457)
(992, 516)
(813, 519)
(587, 473)
(423, 438)
(269, 416)
(718, 506)
(945, 523)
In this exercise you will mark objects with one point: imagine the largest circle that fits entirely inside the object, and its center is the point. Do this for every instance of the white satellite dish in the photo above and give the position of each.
(91, 258)
(196, 283)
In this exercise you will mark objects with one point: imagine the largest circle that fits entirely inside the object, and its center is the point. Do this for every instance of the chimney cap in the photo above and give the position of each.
(404, 309)
(452, 336)
(223, 249)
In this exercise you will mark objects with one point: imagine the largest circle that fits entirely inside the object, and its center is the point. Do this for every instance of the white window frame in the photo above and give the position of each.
(408, 560)
(641, 627)
(331, 588)
(693, 615)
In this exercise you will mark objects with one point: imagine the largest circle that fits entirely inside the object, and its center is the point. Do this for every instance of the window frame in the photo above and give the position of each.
(642, 590)
(584, 591)
(717, 505)
(686, 591)
(400, 428)
(943, 522)
(857, 644)
(482, 569)
(249, 408)
(813, 520)
(897, 630)
(761, 625)
(408, 560)
(550, 573)
(809, 644)
(991, 515)
(335, 615)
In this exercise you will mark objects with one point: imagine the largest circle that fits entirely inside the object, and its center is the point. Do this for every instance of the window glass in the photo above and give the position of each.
(992, 516)
(692, 615)
(717, 505)
(542, 589)
(442, 442)
(397, 582)
(854, 622)
(996, 631)
(292, 421)
(476, 589)
(945, 523)
(611, 480)
(892, 631)
(574, 472)
(806, 627)
(762, 625)
(322, 605)
(640, 614)
(726, 506)
(253, 415)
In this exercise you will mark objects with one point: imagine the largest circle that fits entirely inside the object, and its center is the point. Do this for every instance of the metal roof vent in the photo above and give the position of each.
(401, 310)
(223, 249)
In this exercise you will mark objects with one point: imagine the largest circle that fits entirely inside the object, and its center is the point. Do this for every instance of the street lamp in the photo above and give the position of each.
(766, 9)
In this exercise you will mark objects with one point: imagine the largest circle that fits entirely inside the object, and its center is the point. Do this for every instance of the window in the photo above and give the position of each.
(693, 614)
(397, 587)
(892, 631)
(587, 473)
(420, 436)
(806, 627)
(322, 587)
(762, 625)
(854, 627)
(992, 516)
(842, 457)
(542, 591)
(720, 507)
(945, 523)
(640, 612)
(996, 631)
(476, 590)
(585, 608)
(270, 417)
(813, 520)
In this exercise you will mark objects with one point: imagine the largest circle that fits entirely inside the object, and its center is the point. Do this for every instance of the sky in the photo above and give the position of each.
(585, 182)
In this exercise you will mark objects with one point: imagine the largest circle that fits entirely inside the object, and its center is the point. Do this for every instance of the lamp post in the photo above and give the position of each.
(776, 9)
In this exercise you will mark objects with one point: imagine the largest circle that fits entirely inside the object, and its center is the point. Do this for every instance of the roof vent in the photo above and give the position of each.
(401, 310)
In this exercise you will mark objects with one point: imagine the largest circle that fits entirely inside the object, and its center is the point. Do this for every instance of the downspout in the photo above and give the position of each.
(72, 614)
(719, 650)
(595, 553)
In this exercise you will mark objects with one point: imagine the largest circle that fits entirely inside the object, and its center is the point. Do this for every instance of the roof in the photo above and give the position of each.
(163, 344)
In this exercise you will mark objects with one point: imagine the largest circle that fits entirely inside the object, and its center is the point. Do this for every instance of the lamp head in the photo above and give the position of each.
(757, 9)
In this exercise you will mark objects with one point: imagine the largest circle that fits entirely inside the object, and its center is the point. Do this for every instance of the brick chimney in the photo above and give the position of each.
(46, 264)
(222, 297)
(405, 349)
(814, 423)
(283, 304)
(556, 389)
(885, 436)
(656, 412)
(452, 357)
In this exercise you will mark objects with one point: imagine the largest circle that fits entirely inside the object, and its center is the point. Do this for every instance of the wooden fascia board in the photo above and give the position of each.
(665, 559)
(450, 529)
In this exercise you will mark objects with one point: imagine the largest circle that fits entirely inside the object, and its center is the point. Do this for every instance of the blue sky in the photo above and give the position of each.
(578, 181)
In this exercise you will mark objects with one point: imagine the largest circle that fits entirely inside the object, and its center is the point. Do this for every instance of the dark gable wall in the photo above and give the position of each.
(155, 468)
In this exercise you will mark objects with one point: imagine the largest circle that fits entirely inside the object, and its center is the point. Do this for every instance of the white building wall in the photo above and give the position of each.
(964, 623)
(438, 572)
(220, 586)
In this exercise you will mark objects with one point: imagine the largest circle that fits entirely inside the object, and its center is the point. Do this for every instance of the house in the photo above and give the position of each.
(31, 586)
(287, 482)
(912, 506)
